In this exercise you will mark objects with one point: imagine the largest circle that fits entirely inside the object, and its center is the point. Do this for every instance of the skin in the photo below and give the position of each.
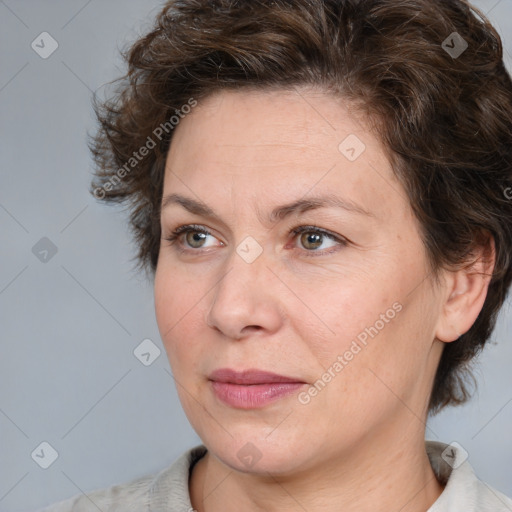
(359, 443)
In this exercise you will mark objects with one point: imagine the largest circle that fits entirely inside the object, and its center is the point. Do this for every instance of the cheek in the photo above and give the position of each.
(344, 310)
(377, 356)
(180, 314)
(179, 318)
(359, 326)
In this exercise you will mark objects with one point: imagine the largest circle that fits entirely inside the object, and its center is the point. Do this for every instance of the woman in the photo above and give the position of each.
(318, 189)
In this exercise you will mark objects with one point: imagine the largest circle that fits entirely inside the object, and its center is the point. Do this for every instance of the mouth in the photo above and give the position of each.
(251, 389)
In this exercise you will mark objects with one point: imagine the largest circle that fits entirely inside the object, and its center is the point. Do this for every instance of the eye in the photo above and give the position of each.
(312, 239)
(317, 240)
(193, 237)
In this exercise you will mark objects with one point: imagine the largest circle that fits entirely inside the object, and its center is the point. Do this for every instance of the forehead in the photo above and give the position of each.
(284, 141)
(282, 119)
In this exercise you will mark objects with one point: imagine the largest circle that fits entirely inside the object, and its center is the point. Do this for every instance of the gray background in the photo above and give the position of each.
(69, 325)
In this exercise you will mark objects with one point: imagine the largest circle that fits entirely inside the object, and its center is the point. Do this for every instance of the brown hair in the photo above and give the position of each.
(444, 114)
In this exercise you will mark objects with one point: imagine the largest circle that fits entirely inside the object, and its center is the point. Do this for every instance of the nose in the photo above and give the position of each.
(246, 300)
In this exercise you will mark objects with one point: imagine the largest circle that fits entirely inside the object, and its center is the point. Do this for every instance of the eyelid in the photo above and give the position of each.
(191, 227)
(329, 234)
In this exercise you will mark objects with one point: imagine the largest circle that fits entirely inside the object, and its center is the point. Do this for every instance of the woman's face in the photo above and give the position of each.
(303, 259)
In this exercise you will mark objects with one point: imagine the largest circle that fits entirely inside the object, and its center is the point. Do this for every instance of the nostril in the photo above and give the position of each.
(252, 328)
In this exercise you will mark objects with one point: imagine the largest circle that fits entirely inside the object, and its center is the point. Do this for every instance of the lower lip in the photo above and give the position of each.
(253, 396)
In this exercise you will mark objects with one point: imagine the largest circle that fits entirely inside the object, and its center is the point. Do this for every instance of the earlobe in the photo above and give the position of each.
(466, 290)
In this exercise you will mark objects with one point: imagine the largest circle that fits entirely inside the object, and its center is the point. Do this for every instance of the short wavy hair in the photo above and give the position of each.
(429, 73)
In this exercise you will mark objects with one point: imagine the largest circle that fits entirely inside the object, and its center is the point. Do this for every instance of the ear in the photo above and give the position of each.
(465, 292)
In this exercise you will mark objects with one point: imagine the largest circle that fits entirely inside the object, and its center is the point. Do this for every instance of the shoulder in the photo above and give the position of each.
(463, 490)
(155, 491)
(128, 496)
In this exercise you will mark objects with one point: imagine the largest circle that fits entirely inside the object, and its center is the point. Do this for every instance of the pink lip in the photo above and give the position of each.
(251, 389)
(249, 377)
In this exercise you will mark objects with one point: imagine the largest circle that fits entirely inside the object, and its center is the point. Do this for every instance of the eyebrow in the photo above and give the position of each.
(279, 213)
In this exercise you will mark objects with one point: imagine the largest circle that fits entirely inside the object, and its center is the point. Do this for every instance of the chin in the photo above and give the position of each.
(257, 454)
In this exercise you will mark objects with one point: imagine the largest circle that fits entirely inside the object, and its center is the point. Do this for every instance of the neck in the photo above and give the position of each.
(377, 475)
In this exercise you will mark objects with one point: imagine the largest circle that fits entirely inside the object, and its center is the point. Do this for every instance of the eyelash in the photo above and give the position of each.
(295, 232)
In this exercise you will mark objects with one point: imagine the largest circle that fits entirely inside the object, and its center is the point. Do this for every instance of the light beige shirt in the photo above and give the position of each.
(168, 490)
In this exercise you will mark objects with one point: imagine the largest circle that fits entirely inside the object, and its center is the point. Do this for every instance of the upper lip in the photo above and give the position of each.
(252, 376)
